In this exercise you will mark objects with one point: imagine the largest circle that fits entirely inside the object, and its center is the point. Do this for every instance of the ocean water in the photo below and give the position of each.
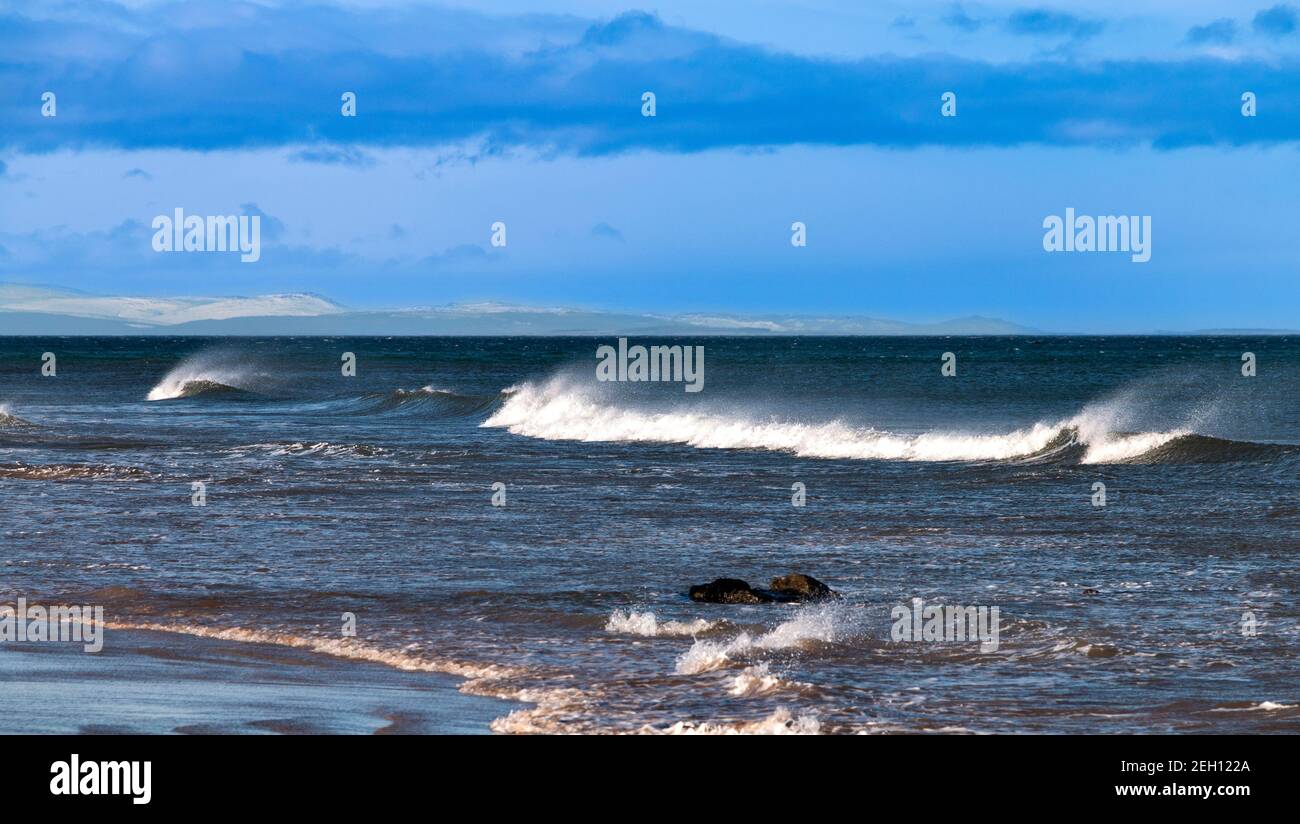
(373, 495)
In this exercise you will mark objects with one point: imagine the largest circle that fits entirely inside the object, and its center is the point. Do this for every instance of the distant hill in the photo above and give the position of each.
(38, 310)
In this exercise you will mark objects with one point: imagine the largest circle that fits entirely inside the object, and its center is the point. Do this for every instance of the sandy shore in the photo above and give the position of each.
(162, 682)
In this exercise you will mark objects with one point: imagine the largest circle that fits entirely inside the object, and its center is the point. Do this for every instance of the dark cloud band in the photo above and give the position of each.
(134, 83)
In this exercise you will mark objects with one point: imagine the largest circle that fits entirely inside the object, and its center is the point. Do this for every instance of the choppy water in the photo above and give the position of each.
(373, 495)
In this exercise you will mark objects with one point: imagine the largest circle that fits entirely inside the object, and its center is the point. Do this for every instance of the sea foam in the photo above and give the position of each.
(560, 409)
(645, 624)
(780, 722)
(814, 624)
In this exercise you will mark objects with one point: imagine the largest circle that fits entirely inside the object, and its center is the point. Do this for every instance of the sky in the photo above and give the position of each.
(767, 113)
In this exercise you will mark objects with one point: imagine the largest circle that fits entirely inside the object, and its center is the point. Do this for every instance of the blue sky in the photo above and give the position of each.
(822, 112)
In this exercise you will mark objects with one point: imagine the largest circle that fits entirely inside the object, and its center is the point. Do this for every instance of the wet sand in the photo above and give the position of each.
(161, 682)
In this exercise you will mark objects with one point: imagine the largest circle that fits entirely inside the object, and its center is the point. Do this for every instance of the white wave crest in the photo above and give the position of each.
(559, 409)
(1096, 426)
(178, 384)
(1268, 706)
(428, 389)
(206, 369)
(754, 681)
(9, 419)
(810, 625)
(645, 623)
(780, 722)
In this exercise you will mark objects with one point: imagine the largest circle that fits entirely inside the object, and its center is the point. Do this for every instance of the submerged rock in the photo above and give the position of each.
(728, 591)
(792, 588)
(799, 587)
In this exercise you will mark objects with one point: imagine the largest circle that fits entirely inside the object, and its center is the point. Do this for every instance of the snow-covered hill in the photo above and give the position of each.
(160, 311)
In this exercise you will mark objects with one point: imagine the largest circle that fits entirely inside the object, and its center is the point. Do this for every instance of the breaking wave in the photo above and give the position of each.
(809, 627)
(8, 420)
(167, 390)
(645, 624)
(561, 410)
(755, 681)
(209, 373)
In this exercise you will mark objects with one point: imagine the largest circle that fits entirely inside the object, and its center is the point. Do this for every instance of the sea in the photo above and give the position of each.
(486, 508)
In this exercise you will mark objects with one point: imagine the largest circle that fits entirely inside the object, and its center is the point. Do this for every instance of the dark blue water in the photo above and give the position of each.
(373, 495)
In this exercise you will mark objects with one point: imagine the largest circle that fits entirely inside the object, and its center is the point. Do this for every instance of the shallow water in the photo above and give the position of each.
(155, 683)
(373, 495)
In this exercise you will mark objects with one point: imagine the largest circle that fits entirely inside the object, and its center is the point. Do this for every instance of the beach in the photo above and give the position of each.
(147, 682)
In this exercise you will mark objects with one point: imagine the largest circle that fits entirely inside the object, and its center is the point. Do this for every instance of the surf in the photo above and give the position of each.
(210, 373)
(8, 420)
(563, 410)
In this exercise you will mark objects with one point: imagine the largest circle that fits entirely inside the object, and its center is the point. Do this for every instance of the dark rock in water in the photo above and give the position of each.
(1091, 591)
(799, 587)
(792, 588)
(728, 591)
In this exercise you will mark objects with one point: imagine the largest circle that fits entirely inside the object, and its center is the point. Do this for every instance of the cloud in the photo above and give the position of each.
(604, 230)
(1277, 21)
(1220, 32)
(1048, 23)
(629, 27)
(124, 253)
(58, 248)
(272, 76)
(959, 19)
(463, 255)
(334, 156)
(272, 228)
